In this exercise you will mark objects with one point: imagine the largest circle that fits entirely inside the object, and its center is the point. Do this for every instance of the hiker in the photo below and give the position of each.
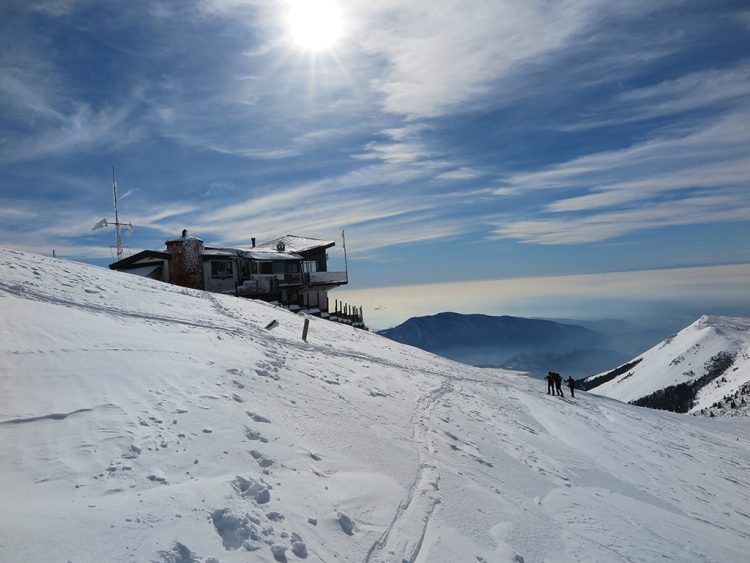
(558, 384)
(550, 383)
(571, 385)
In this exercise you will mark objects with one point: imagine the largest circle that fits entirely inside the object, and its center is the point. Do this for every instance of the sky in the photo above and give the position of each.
(513, 140)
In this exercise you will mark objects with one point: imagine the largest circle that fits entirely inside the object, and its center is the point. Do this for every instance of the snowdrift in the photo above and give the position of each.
(146, 422)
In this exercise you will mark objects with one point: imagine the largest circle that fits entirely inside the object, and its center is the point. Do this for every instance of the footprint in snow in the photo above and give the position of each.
(263, 460)
(251, 489)
(254, 435)
(346, 523)
(257, 417)
(179, 554)
(235, 531)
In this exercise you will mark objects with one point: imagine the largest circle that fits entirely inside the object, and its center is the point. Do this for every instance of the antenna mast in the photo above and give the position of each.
(116, 224)
(118, 237)
(346, 263)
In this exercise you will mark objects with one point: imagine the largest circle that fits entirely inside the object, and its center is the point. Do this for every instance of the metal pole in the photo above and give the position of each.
(346, 263)
(118, 238)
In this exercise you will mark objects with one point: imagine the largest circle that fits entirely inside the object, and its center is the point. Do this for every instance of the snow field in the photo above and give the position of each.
(145, 422)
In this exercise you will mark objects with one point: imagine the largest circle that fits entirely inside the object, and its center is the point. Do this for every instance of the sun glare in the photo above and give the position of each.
(315, 25)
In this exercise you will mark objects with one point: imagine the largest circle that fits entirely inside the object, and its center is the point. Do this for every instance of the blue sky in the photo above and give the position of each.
(454, 143)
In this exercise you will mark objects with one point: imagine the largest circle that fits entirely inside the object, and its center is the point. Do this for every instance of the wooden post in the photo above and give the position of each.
(304, 329)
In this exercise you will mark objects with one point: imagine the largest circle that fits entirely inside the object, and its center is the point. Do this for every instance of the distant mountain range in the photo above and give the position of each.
(532, 345)
(703, 369)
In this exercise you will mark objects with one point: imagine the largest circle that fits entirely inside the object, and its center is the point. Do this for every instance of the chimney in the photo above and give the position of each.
(252, 241)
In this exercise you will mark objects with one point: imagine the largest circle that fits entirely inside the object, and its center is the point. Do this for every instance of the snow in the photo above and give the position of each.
(683, 358)
(296, 244)
(141, 421)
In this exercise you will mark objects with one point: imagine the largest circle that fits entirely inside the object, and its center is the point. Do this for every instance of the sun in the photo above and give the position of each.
(315, 25)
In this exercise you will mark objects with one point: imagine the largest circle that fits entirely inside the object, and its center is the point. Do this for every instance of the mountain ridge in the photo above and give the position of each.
(532, 345)
(703, 369)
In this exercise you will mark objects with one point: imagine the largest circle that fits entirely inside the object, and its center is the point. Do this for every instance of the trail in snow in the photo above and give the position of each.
(398, 542)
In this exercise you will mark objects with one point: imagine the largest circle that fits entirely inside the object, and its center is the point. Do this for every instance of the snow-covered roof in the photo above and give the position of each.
(264, 254)
(184, 239)
(138, 256)
(293, 243)
(219, 252)
(253, 253)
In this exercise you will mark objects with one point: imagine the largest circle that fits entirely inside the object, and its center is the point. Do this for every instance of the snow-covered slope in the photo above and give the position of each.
(695, 354)
(146, 422)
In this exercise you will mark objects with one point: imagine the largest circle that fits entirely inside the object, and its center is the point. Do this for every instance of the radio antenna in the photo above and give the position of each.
(116, 223)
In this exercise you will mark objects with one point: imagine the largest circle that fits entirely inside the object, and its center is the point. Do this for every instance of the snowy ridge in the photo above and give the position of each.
(146, 422)
(686, 358)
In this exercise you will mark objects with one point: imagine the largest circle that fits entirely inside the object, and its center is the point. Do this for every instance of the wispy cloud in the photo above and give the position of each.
(84, 128)
(680, 177)
(442, 55)
(714, 89)
(458, 174)
(603, 226)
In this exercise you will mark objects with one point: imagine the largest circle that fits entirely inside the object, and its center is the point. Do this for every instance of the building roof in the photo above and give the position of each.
(144, 271)
(213, 251)
(183, 239)
(264, 254)
(254, 253)
(293, 243)
(138, 256)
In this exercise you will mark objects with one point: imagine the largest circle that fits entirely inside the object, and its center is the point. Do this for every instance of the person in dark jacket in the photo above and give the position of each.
(550, 383)
(571, 385)
(558, 384)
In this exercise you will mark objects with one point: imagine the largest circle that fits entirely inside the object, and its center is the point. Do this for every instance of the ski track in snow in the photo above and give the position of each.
(415, 509)
(171, 425)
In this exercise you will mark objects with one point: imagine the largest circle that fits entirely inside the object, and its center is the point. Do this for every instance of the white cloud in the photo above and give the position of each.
(394, 153)
(603, 226)
(682, 177)
(440, 54)
(84, 128)
(458, 174)
(713, 89)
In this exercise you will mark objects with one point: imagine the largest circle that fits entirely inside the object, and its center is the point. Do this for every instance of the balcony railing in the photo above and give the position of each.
(325, 278)
(296, 278)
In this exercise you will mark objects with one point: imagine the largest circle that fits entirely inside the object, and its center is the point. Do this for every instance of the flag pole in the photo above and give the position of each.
(346, 263)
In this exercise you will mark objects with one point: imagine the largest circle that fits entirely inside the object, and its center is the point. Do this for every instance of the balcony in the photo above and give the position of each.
(296, 278)
(328, 278)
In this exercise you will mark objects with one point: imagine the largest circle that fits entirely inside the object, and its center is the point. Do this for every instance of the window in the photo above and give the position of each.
(311, 266)
(265, 268)
(245, 267)
(221, 269)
